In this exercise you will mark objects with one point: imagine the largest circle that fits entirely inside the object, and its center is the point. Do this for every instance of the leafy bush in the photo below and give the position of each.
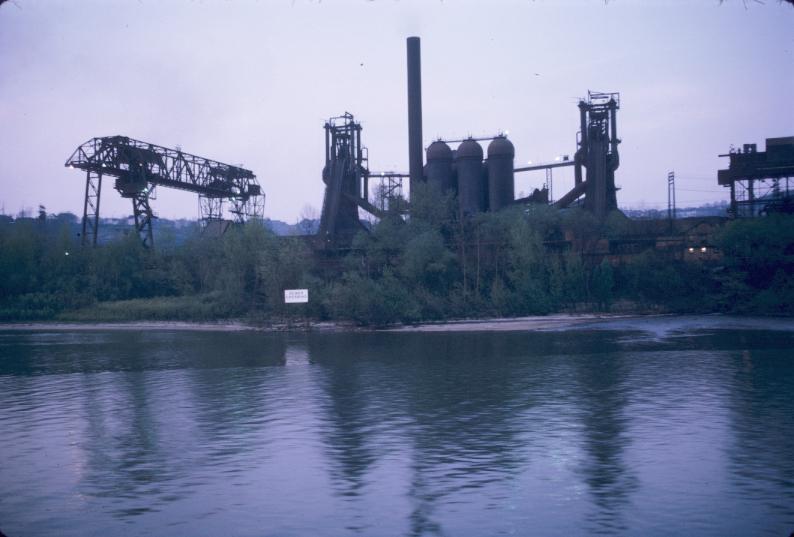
(430, 266)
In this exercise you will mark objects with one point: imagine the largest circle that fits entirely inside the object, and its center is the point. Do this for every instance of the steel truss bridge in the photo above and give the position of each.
(139, 167)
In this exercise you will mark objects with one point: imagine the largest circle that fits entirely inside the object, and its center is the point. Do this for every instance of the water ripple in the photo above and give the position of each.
(654, 427)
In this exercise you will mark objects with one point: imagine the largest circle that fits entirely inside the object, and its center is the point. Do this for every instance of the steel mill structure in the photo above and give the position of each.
(759, 180)
(139, 167)
(481, 180)
(346, 176)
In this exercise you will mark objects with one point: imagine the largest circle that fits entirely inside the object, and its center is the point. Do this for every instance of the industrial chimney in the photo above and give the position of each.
(414, 112)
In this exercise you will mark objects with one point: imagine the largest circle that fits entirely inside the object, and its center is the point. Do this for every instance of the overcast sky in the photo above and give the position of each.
(251, 83)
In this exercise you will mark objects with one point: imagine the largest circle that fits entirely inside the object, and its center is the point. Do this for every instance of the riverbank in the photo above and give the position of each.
(546, 322)
(518, 324)
(221, 326)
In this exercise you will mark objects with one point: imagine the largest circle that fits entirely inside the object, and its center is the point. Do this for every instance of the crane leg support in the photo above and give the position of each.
(93, 189)
(143, 218)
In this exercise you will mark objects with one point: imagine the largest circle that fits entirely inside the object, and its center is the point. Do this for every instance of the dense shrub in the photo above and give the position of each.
(431, 266)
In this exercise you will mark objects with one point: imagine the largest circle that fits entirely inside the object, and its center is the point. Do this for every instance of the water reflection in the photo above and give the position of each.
(467, 412)
(456, 401)
(147, 429)
(762, 415)
(230, 411)
(124, 455)
(49, 353)
(602, 394)
(350, 421)
(667, 430)
(356, 395)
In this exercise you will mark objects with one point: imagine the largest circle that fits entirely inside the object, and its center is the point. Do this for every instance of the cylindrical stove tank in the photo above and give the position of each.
(501, 181)
(471, 186)
(439, 167)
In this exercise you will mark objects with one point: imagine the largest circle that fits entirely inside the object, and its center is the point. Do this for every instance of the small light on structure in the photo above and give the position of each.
(703, 249)
(66, 253)
(507, 132)
(529, 162)
(557, 159)
(691, 249)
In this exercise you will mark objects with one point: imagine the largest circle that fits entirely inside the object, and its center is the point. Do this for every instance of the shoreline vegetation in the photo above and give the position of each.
(432, 268)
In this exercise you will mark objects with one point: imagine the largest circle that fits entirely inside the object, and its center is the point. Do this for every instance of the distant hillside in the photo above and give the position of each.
(166, 231)
(709, 209)
(175, 232)
(304, 227)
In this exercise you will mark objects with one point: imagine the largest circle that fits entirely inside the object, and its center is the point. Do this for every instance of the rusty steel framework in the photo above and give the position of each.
(139, 167)
(760, 180)
(389, 194)
(548, 185)
(597, 151)
(346, 176)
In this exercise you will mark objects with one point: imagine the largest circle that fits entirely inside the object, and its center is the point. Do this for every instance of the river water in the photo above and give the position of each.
(655, 426)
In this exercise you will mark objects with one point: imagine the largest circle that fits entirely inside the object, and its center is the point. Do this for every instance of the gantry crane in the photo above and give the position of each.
(140, 167)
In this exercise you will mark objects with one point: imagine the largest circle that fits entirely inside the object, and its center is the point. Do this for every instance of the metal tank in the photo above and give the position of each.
(471, 184)
(439, 167)
(501, 182)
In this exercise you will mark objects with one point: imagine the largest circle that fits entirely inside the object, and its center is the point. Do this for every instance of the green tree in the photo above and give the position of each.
(603, 282)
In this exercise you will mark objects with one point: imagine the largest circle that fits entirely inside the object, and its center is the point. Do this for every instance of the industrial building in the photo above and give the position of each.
(480, 179)
(760, 180)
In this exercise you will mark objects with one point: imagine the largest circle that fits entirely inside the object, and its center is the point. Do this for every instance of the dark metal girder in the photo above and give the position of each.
(142, 212)
(170, 183)
(725, 177)
(118, 155)
(571, 196)
(562, 164)
(93, 189)
(475, 138)
(140, 166)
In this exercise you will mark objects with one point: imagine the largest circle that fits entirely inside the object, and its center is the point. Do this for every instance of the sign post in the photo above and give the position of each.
(297, 296)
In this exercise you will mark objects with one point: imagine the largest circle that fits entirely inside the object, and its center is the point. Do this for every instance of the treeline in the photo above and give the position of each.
(432, 267)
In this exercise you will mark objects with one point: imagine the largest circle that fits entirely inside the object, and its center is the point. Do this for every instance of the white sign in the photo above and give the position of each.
(296, 296)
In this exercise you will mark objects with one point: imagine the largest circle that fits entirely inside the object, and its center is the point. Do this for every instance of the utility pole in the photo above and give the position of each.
(671, 197)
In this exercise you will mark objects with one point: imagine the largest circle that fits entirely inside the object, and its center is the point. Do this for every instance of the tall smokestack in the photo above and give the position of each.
(414, 112)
